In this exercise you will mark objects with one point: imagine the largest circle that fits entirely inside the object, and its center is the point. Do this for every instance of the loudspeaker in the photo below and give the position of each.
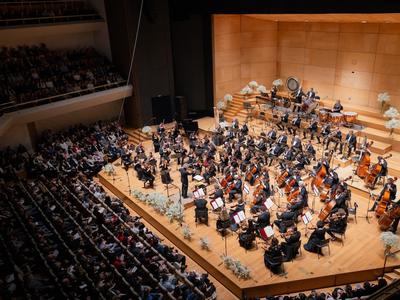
(180, 108)
(161, 106)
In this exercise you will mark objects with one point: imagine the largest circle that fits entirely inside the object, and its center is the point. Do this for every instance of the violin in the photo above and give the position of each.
(364, 163)
(384, 202)
(375, 170)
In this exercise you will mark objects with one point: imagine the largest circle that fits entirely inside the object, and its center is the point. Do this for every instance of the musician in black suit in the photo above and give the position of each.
(316, 238)
(298, 98)
(389, 185)
(337, 107)
(284, 121)
(282, 140)
(201, 209)
(295, 125)
(309, 149)
(237, 189)
(292, 238)
(273, 256)
(337, 223)
(184, 180)
(335, 137)
(310, 94)
(274, 152)
(313, 128)
(296, 144)
(271, 137)
(351, 143)
(264, 218)
(325, 131)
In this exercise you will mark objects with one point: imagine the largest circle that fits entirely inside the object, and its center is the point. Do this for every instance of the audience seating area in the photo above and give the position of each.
(33, 75)
(84, 242)
(17, 13)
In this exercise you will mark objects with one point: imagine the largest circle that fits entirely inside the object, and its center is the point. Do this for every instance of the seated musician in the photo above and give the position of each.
(200, 208)
(335, 137)
(147, 175)
(301, 161)
(262, 145)
(235, 123)
(341, 198)
(218, 192)
(245, 129)
(289, 154)
(274, 152)
(284, 121)
(331, 179)
(298, 99)
(325, 131)
(316, 238)
(264, 218)
(271, 137)
(156, 142)
(273, 257)
(350, 141)
(210, 172)
(296, 144)
(273, 91)
(161, 129)
(337, 223)
(395, 224)
(295, 125)
(384, 169)
(237, 188)
(303, 191)
(337, 107)
(282, 140)
(310, 151)
(310, 94)
(292, 238)
(247, 236)
(389, 185)
(312, 128)
(223, 221)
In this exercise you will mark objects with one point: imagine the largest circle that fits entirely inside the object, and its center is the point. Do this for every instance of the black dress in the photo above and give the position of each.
(315, 239)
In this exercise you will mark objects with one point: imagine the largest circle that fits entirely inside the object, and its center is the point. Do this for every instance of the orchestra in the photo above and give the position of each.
(276, 173)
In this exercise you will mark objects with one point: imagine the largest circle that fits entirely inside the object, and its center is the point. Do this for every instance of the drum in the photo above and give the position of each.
(323, 116)
(309, 105)
(350, 117)
(336, 118)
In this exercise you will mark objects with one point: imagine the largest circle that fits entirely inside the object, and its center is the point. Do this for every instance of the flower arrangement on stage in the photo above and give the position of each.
(228, 98)
(146, 130)
(109, 169)
(187, 233)
(253, 84)
(240, 270)
(205, 243)
(392, 124)
(392, 112)
(277, 82)
(221, 105)
(246, 90)
(389, 240)
(383, 98)
(161, 204)
(262, 89)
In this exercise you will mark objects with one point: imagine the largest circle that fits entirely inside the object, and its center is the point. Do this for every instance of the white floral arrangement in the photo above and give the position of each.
(146, 130)
(390, 239)
(240, 270)
(253, 84)
(262, 89)
(205, 243)
(246, 90)
(392, 124)
(277, 82)
(228, 98)
(109, 169)
(187, 233)
(172, 210)
(221, 105)
(392, 112)
(383, 98)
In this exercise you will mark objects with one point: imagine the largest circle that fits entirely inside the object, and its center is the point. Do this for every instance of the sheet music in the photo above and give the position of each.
(196, 194)
(307, 218)
(198, 178)
(269, 231)
(239, 217)
(217, 203)
(201, 192)
(268, 203)
(246, 189)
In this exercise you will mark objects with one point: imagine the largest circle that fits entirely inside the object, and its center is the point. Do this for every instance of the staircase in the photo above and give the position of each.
(136, 135)
(236, 107)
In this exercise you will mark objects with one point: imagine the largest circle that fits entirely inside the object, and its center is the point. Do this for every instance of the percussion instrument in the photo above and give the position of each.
(309, 105)
(323, 115)
(336, 118)
(292, 84)
(350, 117)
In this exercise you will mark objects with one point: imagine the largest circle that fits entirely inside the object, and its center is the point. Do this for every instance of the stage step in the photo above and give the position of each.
(136, 135)
(397, 271)
(391, 276)
(372, 122)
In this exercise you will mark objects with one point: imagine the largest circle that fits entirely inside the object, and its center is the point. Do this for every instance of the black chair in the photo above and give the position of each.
(323, 244)
(201, 216)
(274, 264)
(246, 240)
(296, 250)
(223, 226)
(353, 211)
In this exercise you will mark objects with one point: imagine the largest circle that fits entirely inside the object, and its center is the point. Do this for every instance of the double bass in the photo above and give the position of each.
(388, 217)
(319, 176)
(374, 171)
(364, 163)
(384, 202)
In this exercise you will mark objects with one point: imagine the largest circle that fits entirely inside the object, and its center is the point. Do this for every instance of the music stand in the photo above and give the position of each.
(126, 168)
(166, 180)
(367, 216)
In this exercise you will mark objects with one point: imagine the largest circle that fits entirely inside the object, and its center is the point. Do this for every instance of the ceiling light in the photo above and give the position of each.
(363, 22)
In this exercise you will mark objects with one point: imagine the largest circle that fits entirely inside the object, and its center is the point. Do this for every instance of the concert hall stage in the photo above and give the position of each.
(359, 258)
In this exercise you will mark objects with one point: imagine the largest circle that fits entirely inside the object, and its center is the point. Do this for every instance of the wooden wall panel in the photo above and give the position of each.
(320, 57)
(389, 44)
(355, 61)
(322, 40)
(226, 24)
(361, 42)
(387, 64)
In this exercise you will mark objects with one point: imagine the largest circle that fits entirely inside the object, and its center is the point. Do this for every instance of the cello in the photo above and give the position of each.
(375, 170)
(281, 179)
(384, 202)
(388, 217)
(364, 163)
(319, 176)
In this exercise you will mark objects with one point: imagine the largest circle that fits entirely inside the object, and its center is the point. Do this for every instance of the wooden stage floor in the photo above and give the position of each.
(360, 258)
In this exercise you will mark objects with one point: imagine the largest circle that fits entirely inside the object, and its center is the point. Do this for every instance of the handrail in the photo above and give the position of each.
(38, 102)
(50, 17)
